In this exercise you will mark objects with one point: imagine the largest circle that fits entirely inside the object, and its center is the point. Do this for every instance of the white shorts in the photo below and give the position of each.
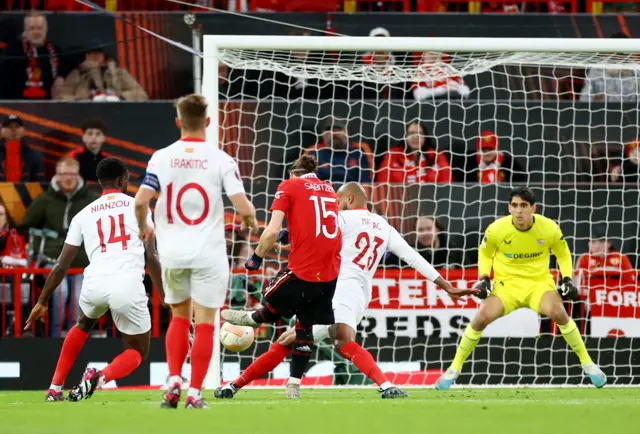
(206, 286)
(124, 296)
(349, 306)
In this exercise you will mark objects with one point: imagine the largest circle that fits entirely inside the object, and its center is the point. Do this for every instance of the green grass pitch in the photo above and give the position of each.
(353, 411)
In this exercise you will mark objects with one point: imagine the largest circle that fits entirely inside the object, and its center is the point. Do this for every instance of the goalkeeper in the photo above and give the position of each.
(517, 247)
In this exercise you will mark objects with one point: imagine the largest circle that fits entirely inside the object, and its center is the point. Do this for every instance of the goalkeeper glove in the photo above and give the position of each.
(484, 285)
(253, 263)
(283, 237)
(567, 289)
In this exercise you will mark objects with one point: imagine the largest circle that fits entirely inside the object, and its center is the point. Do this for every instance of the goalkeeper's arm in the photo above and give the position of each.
(399, 247)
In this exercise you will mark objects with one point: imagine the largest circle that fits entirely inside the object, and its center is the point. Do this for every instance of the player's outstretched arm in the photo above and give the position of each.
(153, 265)
(404, 251)
(54, 279)
(246, 210)
(267, 240)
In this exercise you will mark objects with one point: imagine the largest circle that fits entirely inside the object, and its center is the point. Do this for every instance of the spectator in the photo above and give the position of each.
(53, 209)
(629, 171)
(381, 62)
(93, 135)
(339, 159)
(602, 260)
(100, 79)
(415, 161)
(32, 68)
(488, 165)
(433, 243)
(19, 162)
(439, 78)
(13, 254)
(612, 85)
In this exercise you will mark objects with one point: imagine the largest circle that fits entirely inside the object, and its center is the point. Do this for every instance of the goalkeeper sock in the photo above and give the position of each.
(469, 340)
(73, 343)
(122, 365)
(264, 364)
(571, 334)
(201, 354)
(363, 361)
(177, 345)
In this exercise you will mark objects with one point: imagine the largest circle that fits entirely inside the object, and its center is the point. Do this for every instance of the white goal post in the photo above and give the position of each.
(525, 118)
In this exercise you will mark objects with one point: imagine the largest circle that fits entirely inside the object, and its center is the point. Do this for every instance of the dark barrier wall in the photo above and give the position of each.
(27, 364)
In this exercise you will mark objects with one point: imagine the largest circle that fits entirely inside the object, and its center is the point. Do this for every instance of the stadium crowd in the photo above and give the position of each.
(34, 68)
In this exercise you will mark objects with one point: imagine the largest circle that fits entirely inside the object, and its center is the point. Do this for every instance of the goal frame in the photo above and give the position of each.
(213, 43)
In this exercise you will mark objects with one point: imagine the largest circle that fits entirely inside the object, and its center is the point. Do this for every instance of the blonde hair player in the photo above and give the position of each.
(517, 247)
(190, 176)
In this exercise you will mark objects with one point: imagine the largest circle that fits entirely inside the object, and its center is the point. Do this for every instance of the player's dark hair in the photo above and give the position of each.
(109, 170)
(524, 193)
(94, 124)
(303, 165)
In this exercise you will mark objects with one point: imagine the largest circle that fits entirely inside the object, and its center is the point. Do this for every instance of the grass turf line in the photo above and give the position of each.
(470, 411)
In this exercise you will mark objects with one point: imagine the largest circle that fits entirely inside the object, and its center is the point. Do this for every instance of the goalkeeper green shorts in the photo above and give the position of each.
(517, 293)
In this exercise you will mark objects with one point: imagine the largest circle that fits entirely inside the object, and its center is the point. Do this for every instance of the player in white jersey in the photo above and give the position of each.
(190, 176)
(365, 239)
(113, 281)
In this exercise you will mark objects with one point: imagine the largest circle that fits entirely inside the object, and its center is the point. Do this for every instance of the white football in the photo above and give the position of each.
(236, 338)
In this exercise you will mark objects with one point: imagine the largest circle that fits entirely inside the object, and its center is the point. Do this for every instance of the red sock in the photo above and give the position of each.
(122, 365)
(363, 361)
(267, 362)
(201, 354)
(71, 347)
(176, 343)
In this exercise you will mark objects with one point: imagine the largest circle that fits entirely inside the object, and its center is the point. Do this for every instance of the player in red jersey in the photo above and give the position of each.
(306, 286)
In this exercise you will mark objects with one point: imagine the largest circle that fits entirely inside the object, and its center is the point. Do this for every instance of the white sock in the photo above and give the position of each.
(56, 388)
(175, 379)
(386, 385)
(193, 392)
(294, 381)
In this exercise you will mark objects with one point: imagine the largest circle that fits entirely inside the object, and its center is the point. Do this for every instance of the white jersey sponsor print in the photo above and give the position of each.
(109, 230)
(190, 176)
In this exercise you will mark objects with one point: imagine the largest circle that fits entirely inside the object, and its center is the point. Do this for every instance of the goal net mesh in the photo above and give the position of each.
(438, 140)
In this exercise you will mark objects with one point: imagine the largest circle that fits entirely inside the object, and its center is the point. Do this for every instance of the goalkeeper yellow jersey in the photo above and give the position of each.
(513, 253)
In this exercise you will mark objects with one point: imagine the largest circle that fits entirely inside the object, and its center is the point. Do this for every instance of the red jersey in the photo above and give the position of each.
(311, 208)
(400, 167)
(613, 264)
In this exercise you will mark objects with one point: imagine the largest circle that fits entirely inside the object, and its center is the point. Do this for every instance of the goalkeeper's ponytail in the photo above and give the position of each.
(303, 165)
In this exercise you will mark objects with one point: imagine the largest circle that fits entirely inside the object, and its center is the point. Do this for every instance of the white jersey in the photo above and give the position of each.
(365, 239)
(109, 229)
(190, 176)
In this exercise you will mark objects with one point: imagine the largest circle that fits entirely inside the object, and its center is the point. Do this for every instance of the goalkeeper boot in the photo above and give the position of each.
(595, 374)
(447, 379)
(239, 317)
(91, 380)
(293, 391)
(393, 392)
(171, 397)
(227, 391)
(54, 396)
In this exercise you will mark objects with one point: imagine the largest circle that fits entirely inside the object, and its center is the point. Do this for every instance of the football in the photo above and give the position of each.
(236, 338)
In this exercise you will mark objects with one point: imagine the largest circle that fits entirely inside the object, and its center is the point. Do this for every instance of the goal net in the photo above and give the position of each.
(439, 130)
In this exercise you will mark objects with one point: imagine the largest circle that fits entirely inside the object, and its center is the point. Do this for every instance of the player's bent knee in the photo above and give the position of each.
(204, 315)
(182, 310)
(287, 338)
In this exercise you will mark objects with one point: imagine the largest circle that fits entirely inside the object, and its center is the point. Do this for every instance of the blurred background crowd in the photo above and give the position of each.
(436, 155)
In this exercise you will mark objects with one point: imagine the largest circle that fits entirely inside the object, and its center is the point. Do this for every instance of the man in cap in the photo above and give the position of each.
(18, 161)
